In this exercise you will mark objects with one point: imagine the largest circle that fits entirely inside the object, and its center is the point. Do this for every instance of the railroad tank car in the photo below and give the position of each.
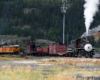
(81, 48)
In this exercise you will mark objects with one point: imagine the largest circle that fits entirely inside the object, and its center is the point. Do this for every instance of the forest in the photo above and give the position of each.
(42, 19)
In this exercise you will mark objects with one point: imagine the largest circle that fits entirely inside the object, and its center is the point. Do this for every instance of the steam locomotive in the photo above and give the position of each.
(81, 48)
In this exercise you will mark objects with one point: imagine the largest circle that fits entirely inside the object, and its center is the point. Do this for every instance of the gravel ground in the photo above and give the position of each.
(33, 62)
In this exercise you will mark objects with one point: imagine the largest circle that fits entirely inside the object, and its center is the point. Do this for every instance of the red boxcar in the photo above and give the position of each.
(30, 47)
(39, 50)
(59, 49)
(51, 47)
(45, 50)
(42, 50)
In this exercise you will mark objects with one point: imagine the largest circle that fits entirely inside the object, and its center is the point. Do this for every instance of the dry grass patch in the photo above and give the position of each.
(26, 73)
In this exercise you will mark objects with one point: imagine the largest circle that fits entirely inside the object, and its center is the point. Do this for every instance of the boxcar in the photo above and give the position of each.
(39, 50)
(59, 49)
(30, 48)
(45, 50)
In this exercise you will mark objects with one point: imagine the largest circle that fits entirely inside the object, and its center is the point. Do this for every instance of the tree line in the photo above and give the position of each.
(44, 18)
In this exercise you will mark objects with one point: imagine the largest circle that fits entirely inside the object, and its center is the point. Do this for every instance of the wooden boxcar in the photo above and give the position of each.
(30, 48)
(45, 50)
(39, 50)
(59, 49)
(56, 49)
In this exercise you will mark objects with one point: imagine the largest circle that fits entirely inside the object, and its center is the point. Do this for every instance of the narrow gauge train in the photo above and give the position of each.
(53, 49)
(81, 48)
(10, 49)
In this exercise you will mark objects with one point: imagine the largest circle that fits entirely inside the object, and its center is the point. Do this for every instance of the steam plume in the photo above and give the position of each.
(92, 31)
(91, 7)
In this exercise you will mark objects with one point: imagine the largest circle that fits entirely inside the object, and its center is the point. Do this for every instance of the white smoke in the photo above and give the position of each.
(91, 7)
(91, 32)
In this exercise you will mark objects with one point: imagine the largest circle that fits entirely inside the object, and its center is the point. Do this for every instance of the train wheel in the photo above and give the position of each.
(91, 56)
(73, 55)
(70, 54)
(87, 55)
(79, 54)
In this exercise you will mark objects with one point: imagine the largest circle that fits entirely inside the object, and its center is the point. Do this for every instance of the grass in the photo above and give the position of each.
(8, 72)
(25, 73)
(9, 57)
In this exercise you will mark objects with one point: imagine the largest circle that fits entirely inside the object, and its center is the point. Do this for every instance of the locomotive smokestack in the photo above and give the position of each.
(87, 36)
(87, 39)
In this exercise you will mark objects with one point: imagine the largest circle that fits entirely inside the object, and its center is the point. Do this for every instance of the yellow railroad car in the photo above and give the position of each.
(0, 49)
(4, 50)
(10, 49)
(16, 48)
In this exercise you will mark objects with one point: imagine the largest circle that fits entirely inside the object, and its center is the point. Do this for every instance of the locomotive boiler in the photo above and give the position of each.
(81, 48)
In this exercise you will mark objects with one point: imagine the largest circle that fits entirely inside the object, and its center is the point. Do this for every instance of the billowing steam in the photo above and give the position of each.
(90, 9)
(91, 32)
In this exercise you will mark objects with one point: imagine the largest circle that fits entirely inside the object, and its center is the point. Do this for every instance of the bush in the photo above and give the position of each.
(22, 49)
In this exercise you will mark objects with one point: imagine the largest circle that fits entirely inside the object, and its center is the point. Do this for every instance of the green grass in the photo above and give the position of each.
(10, 57)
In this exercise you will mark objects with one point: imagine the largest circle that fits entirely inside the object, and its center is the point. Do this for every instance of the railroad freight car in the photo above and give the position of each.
(42, 51)
(57, 49)
(53, 49)
(10, 49)
(30, 48)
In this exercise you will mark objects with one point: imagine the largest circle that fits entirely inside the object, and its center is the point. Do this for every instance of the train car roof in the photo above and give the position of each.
(16, 45)
(12, 46)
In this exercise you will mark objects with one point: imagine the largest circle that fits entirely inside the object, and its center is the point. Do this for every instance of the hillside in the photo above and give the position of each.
(42, 19)
(43, 43)
(97, 36)
(12, 39)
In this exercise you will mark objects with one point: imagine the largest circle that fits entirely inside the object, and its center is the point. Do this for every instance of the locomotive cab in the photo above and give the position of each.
(81, 43)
